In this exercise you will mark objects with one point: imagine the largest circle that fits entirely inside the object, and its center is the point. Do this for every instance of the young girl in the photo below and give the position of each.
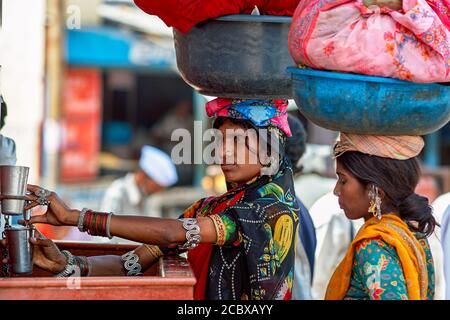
(390, 258)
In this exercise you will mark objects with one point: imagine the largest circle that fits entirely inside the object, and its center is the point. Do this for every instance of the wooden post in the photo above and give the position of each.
(54, 66)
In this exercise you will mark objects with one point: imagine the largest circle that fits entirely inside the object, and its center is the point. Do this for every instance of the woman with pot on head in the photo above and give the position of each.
(390, 258)
(241, 245)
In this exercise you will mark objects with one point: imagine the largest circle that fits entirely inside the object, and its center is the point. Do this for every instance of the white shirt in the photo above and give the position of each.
(440, 248)
(446, 248)
(334, 232)
(7, 158)
(309, 195)
(301, 288)
(124, 197)
(7, 151)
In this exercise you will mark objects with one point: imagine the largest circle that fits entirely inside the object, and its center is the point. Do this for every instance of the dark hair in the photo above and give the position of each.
(398, 179)
(295, 144)
(246, 124)
(4, 112)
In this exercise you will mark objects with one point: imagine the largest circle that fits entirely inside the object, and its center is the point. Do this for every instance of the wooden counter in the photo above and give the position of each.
(170, 278)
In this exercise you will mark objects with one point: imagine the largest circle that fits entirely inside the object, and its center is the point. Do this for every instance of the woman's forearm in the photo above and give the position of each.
(158, 231)
(105, 266)
(114, 266)
(149, 230)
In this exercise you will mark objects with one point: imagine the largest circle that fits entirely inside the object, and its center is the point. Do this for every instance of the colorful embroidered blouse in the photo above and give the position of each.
(377, 273)
(256, 235)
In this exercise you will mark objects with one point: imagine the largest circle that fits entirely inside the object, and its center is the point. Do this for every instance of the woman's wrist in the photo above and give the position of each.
(61, 264)
(72, 218)
(72, 265)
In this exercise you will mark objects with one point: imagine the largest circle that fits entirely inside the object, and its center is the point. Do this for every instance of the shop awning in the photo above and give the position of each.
(109, 47)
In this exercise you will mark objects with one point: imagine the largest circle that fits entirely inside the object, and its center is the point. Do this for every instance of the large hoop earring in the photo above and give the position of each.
(375, 202)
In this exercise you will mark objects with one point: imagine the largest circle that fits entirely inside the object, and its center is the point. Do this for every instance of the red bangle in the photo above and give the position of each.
(105, 218)
(95, 223)
(91, 224)
(87, 221)
(94, 226)
(91, 230)
(99, 224)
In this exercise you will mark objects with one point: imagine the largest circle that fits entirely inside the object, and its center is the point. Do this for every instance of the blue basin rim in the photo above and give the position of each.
(254, 18)
(354, 77)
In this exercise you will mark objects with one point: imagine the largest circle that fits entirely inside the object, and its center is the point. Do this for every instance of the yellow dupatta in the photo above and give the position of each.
(395, 232)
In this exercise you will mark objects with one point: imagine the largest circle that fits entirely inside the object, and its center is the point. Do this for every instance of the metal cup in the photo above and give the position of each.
(13, 182)
(20, 249)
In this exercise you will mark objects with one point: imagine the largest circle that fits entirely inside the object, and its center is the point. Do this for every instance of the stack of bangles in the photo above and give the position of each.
(83, 264)
(95, 223)
(76, 266)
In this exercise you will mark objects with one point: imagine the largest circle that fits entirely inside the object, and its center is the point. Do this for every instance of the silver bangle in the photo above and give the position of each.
(192, 234)
(108, 223)
(81, 219)
(131, 264)
(69, 269)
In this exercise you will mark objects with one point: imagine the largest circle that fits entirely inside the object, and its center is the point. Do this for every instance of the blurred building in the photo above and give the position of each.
(88, 82)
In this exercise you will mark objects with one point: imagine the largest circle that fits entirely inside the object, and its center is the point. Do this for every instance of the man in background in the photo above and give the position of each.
(428, 187)
(128, 195)
(7, 152)
(445, 234)
(7, 145)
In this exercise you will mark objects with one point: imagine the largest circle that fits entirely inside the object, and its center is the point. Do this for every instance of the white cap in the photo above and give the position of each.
(158, 166)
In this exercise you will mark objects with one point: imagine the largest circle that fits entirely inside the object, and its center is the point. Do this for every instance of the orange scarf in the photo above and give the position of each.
(395, 232)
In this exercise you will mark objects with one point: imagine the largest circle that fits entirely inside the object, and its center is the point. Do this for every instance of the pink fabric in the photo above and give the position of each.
(261, 113)
(343, 35)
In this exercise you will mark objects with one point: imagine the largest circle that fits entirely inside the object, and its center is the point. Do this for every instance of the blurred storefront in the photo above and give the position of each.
(120, 81)
(87, 84)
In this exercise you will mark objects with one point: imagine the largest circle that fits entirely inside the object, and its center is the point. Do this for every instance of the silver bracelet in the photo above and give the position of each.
(192, 234)
(108, 223)
(131, 264)
(81, 219)
(69, 269)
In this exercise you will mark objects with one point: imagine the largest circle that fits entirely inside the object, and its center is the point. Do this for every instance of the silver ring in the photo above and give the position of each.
(42, 195)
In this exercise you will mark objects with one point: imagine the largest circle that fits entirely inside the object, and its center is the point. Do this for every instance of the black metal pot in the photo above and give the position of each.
(237, 56)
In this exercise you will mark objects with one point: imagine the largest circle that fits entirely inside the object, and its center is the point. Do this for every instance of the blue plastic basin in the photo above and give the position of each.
(370, 105)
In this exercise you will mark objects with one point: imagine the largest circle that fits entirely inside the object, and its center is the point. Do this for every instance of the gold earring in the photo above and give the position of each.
(375, 202)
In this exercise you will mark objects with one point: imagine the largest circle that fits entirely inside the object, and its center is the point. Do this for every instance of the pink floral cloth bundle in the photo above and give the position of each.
(344, 35)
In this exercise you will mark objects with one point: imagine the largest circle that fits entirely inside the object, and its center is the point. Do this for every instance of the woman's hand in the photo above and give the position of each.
(58, 213)
(46, 254)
